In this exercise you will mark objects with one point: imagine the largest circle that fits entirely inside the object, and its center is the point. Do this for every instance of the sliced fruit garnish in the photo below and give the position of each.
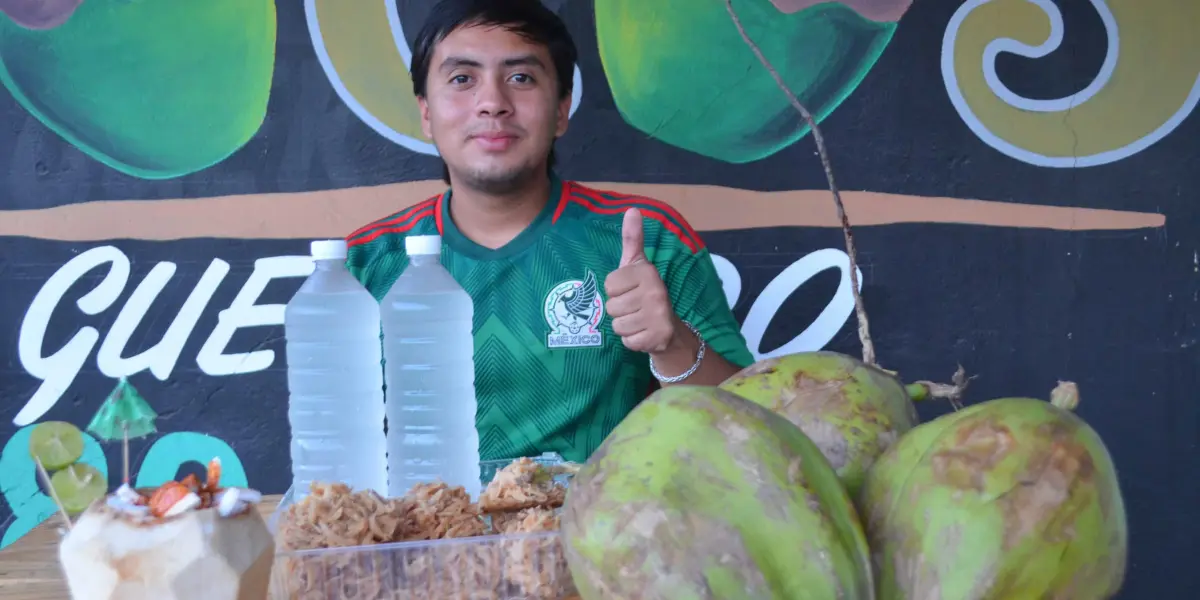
(56, 444)
(78, 486)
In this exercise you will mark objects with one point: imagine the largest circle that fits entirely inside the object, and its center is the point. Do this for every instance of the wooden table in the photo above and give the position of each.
(29, 567)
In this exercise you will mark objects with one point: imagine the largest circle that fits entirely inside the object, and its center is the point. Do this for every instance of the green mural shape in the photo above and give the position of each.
(680, 72)
(168, 452)
(152, 88)
(19, 483)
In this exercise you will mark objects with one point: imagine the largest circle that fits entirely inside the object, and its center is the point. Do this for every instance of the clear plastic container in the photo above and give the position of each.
(496, 567)
(335, 377)
(492, 567)
(429, 367)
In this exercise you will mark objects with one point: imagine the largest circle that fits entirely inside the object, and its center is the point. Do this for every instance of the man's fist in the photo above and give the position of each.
(638, 304)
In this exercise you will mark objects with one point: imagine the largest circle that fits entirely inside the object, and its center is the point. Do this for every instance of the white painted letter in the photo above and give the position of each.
(161, 358)
(58, 371)
(242, 312)
(731, 280)
(784, 285)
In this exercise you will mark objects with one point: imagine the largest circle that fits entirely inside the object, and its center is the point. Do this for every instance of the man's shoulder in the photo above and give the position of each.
(389, 232)
(609, 206)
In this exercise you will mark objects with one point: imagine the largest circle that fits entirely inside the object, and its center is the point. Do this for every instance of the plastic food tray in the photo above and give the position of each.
(493, 567)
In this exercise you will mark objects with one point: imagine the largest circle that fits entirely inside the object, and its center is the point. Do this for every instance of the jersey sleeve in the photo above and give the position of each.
(374, 267)
(359, 263)
(699, 298)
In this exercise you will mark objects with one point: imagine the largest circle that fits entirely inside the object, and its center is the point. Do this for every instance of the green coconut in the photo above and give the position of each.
(698, 493)
(1012, 498)
(853, 411)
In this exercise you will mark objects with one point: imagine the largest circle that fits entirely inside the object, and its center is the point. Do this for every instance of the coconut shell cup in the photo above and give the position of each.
(109, 555)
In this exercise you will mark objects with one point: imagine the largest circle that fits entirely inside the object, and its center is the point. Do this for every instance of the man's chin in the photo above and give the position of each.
(499, 181)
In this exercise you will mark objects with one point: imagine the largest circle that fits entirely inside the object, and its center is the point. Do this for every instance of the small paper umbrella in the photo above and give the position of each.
(123, 415)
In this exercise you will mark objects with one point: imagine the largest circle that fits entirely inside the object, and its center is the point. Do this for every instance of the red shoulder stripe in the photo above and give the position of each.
(401, 228)
(610, 204)
(438, 209)
(563, 197)
(396, 218)
(397, 223)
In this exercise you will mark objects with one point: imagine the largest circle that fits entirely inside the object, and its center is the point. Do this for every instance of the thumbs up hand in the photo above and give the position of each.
(638, 303)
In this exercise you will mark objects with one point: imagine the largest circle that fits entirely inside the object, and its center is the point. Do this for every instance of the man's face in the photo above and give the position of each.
(492, 107)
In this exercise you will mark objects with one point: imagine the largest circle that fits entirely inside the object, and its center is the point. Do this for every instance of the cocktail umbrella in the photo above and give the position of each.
(124, 415)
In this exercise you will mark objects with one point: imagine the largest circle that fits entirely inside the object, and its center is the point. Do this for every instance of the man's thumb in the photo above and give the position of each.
(632, 238)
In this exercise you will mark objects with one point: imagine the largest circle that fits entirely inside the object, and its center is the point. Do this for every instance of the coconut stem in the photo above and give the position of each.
(864, 327)
(1065, 395)
(924, 390)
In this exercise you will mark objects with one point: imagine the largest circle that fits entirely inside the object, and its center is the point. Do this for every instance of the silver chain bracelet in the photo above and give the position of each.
(687, 373)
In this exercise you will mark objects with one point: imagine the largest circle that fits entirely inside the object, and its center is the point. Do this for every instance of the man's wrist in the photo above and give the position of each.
(683, 343)
(681, 354)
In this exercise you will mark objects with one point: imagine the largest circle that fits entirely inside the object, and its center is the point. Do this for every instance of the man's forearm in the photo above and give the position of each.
(680, 355)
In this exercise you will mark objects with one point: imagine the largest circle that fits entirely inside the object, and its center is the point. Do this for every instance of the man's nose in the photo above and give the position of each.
(493, 99)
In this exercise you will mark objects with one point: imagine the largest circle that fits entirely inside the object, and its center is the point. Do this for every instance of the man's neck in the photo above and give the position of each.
(492, 220)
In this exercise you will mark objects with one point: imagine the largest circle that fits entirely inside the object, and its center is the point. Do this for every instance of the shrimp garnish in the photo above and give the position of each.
(166, 496)
(212, 480)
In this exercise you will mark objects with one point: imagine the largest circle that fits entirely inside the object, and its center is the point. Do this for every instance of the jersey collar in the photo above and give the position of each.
(461, 244)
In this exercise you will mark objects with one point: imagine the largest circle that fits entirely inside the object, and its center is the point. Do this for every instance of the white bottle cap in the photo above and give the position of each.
(423, 244)
(328, 249)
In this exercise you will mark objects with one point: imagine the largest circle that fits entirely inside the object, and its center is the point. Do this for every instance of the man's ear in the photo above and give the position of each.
(563, 116)
(426, 127)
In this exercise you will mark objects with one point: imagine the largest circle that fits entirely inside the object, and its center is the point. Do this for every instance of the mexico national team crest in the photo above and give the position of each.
(574, 309)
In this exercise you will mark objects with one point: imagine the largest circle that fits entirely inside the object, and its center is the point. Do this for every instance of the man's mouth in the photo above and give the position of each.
(494, 141)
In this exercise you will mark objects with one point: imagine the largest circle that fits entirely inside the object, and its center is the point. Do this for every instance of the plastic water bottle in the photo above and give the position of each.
(429, 366)
(335, 378)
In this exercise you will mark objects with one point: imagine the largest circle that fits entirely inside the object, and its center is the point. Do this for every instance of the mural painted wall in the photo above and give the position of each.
(1021, 174)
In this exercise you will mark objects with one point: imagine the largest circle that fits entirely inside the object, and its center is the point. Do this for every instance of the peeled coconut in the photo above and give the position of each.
(198, 555)
(853, 411)
(701, 494)
(1011, 498)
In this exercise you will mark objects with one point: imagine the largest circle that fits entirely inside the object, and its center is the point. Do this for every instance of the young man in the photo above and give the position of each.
(582, 297)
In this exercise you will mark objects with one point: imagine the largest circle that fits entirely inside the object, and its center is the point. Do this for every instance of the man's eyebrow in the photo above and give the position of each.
(528, 60)
(454, 62)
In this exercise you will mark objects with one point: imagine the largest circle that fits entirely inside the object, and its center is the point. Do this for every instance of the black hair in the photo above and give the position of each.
(527, 18)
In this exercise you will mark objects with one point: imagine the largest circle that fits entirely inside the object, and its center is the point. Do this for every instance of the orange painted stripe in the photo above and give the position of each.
(331, 213)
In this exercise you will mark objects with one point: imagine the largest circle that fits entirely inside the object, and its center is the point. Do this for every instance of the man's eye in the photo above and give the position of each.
(522, 78)
(459, 79)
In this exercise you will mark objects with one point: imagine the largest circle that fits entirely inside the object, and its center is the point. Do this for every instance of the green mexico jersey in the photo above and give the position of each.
(550, 375)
